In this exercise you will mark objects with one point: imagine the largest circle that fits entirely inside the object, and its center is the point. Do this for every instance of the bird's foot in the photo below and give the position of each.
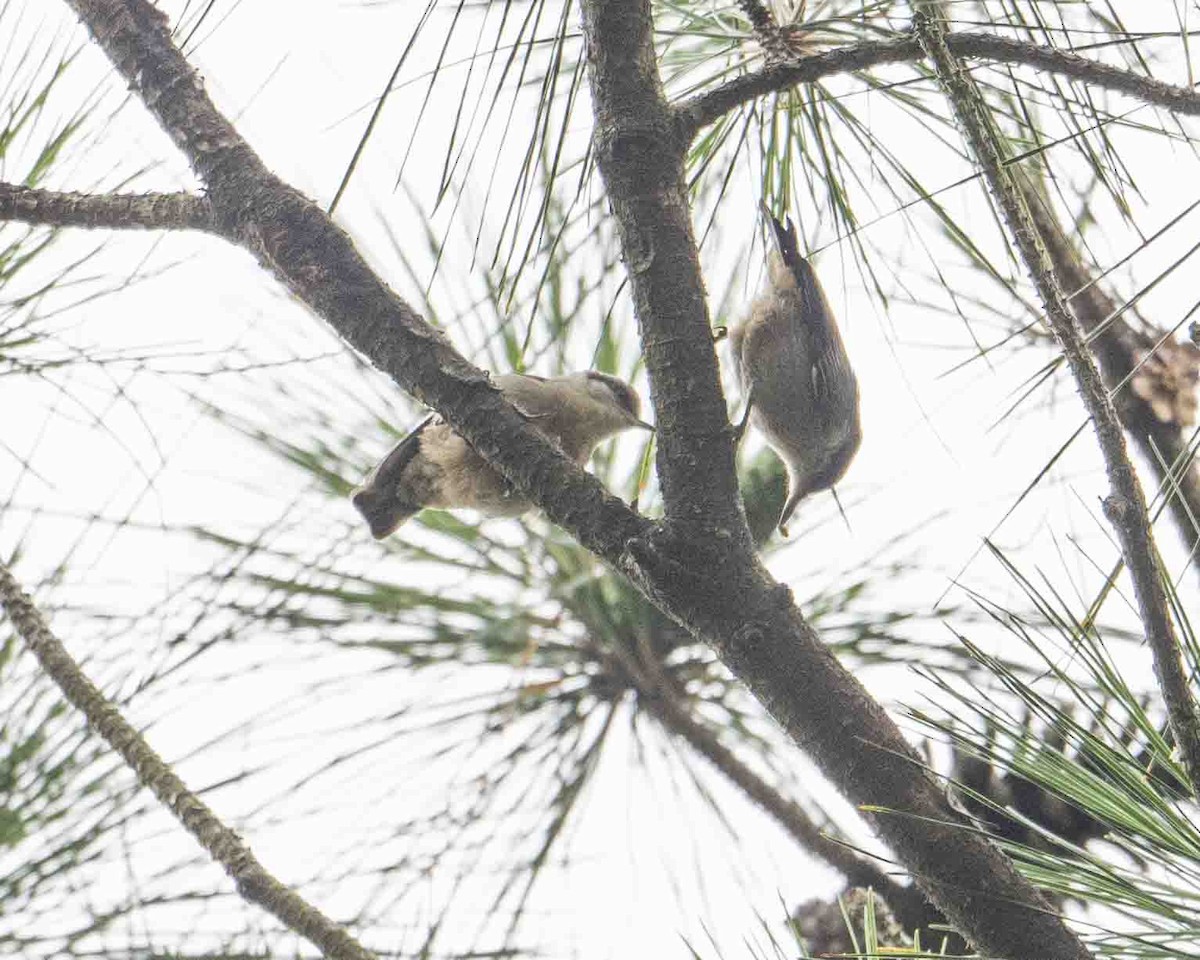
(739, 431)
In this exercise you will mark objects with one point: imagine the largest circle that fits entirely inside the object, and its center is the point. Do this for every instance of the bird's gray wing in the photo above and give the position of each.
(834, 385)
(814, 325)
(387, 471)
(815, 319)
(535, 398)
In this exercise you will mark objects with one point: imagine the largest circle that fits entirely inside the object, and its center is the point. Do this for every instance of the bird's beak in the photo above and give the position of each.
(777, 229)
(787, 246)
(642, 424)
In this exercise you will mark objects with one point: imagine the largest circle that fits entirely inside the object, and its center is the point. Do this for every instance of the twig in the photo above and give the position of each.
(1165, 442)
(706, 108)
(114, 211)
(1125, 506)
(253, 881)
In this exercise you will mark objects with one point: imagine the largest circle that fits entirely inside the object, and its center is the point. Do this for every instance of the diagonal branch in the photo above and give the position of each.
(307, 251)
(1161, 430)
(114, 211)
(253, 881)
(705, 108)
(1125, 506)
(699, 567)
(747, 618)
(183, 211)
(666, 703)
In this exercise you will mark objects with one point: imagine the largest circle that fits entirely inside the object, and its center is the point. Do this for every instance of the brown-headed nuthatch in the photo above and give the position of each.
(434, 467)
(799, 388)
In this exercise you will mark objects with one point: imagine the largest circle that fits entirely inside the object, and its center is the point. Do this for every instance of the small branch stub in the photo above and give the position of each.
(111, 211)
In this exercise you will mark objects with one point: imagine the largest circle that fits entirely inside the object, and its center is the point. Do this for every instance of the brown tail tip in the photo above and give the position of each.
(383, 514)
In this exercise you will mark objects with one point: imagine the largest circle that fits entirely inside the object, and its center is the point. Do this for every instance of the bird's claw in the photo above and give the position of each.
(739, 431)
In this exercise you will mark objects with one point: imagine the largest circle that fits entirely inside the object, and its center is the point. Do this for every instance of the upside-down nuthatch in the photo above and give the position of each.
(795, 375)
(434, 467)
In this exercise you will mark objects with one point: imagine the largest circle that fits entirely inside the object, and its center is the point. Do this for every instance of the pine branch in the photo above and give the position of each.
(657, 695)
(1155, 417)
(705, 108)
(113, 211)
(308, 252)
(766, 30)
(699, 566)
(1125, 506)
(253, 881)
(761, 636)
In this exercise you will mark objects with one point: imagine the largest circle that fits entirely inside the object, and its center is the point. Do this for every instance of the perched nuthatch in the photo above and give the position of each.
(799, 388)
(434, 467)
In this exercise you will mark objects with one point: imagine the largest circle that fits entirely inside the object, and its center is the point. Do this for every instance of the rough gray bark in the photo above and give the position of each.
(761, 635)
(705, 108)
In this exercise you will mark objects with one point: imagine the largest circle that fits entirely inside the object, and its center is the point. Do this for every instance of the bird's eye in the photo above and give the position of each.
(620, 391)
(626, 398)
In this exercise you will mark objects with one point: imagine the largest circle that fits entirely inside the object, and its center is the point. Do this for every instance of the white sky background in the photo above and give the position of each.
(299, 80)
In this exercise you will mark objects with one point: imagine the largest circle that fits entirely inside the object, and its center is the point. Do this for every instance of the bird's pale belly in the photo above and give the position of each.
(479, 488)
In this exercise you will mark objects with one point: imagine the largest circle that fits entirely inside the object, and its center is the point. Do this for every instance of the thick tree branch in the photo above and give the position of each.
(114, 211)
(253, 882)
(699, 567)
(1125, 506)
(667, 704)
(706, 108)
(749, 620)
(292, 237)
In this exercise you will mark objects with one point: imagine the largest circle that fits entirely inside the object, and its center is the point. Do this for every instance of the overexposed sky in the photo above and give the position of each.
(203, 340)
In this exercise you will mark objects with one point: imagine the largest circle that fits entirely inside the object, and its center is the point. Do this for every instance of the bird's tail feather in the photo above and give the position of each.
(383, 512)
